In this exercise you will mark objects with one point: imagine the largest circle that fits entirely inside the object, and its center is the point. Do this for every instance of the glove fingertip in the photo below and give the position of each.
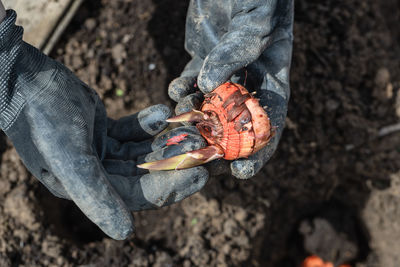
(153, 119)
(244, 169)
(181, 87)
(183, 106)
(202, 176)
(163, 111)
(167, 187)
(197, 178)
(124, 233)
(189, 103)
(211, 76)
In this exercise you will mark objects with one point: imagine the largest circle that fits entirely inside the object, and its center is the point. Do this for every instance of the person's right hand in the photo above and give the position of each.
(60, 129)
(249, 42)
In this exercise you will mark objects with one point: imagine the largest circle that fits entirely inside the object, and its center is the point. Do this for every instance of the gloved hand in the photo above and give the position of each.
(59, 127)
(249, 42)
(2, 12)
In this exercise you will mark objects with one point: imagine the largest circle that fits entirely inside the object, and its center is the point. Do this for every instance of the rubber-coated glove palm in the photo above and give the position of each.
(249, 42)
(60, 129)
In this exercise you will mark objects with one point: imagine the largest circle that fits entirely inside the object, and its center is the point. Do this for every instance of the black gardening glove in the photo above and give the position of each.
(249, 42)
(60, 129)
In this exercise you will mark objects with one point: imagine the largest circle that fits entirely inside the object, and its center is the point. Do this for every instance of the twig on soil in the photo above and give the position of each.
(389, 129)
(381, 133)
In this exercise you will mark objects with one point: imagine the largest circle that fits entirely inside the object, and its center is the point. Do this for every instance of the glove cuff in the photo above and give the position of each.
(9, 32)
(10, 47)
(20, 64)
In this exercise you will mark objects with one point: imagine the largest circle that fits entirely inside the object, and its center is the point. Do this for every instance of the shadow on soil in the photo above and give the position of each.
(167, 28)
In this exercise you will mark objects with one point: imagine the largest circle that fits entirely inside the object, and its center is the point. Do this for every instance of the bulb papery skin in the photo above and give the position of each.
(235, 121)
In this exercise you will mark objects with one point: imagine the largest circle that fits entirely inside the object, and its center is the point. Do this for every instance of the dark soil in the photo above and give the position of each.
(332, 188)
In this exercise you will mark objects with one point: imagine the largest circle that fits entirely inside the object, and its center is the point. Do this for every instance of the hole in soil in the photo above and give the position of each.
(66, 220)
(333, 232)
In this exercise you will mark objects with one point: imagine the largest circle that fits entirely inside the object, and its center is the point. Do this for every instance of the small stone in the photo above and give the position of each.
(240, 215)
(389, 91)
(103, 34)
(382, 77)
(382, 80)
(331, 105)
(226, 248)
(397, 103)
(152, 66)
(118, 53)
(90, 24)
(90, 53)
(127, 38)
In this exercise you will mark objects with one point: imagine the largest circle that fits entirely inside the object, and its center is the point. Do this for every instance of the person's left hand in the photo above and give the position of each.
(61, 131)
